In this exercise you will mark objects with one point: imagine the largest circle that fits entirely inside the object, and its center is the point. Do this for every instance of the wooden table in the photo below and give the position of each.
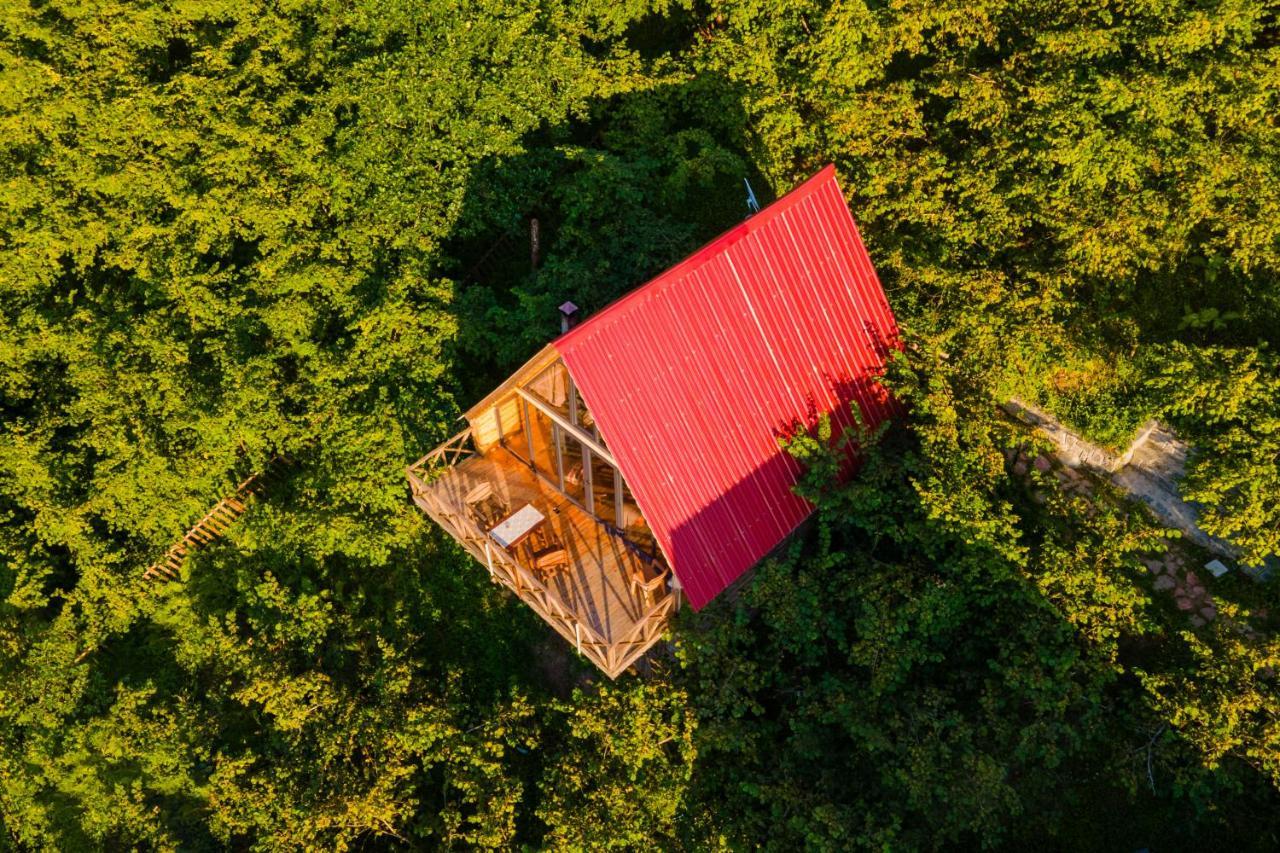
(515, 528)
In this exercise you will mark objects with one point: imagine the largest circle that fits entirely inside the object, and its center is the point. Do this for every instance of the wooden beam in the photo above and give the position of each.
(528, 370)
(576, 431)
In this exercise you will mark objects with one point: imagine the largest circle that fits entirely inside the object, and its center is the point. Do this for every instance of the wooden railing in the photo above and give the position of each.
(613, 657)
(214, 524)
(647, 631)
(453, 451)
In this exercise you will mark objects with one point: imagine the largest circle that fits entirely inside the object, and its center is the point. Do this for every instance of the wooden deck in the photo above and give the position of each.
(592, 602)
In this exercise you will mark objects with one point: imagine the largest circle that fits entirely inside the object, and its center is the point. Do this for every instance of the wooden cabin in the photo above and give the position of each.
(634, 462)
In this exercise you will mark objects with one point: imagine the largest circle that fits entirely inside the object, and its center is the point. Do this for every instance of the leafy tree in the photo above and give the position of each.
(230, 231)
(621, 777)
(1227, 403)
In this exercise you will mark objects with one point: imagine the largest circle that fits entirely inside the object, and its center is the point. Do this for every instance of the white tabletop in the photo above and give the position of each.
(516, 526)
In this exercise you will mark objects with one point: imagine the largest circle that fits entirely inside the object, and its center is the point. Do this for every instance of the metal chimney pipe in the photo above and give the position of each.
(568, 316)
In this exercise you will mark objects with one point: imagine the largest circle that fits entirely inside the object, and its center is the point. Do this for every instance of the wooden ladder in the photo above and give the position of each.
(214, 524)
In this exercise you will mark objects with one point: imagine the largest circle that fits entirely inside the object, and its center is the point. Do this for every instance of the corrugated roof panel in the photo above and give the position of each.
(691, 376)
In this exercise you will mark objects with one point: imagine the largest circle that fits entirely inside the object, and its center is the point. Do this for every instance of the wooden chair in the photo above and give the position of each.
(631, 516)
(484, 506)
(644, 583)
(547, 553)
(547, 561)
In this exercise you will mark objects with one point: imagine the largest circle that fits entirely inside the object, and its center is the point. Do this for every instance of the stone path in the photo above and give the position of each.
(1073, 450)
(1149, 470)
(1152, 475)
(1169, 571)
(1172, 576)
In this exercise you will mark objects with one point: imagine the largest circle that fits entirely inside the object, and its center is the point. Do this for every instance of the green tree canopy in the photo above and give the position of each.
(231, 231)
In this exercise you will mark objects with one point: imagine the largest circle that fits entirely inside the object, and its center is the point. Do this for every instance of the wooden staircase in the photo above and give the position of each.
(214, 524)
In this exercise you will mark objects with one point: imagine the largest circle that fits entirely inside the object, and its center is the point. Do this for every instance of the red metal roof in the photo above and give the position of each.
(691, 377)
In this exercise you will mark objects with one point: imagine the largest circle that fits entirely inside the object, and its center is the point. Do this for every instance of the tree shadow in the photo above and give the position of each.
(754, 517)
(619, 195)
(883, 656)
(1200, 301)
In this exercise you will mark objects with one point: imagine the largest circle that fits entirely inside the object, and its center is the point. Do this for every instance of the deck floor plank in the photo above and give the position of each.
(596, 586)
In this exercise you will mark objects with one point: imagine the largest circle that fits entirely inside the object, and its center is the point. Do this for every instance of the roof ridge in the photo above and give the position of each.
(704, 253)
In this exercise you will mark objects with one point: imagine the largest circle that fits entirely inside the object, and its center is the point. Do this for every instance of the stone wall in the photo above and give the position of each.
(1149, 469)
(1073, 450)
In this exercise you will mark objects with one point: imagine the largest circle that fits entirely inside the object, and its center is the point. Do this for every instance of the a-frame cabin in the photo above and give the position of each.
(635, 459)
